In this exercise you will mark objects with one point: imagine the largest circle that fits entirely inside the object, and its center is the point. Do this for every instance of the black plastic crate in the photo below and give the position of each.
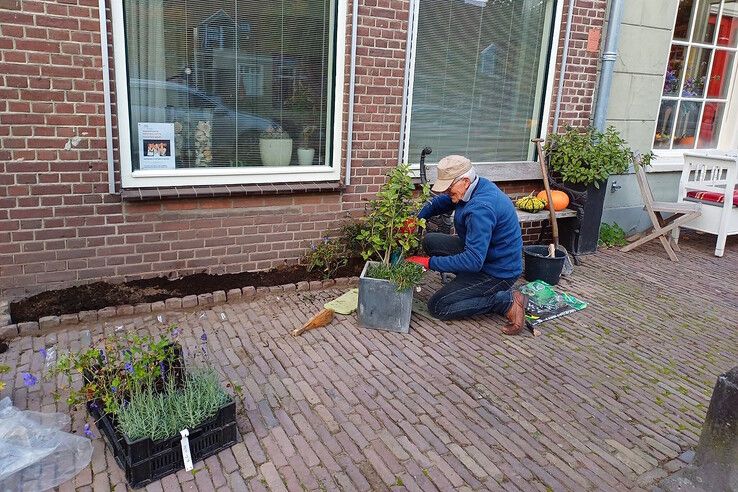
(145, 460)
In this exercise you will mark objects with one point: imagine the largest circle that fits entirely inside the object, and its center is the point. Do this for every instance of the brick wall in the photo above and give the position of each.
(58, 224)
(580, 81)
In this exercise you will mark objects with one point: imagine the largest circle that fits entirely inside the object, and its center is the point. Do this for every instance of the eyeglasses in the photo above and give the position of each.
(448, 190)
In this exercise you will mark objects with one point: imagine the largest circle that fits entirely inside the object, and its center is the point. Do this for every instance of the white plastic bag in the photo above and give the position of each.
(35, 454)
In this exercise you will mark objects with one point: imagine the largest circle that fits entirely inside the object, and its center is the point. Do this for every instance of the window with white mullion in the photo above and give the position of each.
(698, 76)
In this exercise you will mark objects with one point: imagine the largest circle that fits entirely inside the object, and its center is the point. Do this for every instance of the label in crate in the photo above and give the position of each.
(186, 456)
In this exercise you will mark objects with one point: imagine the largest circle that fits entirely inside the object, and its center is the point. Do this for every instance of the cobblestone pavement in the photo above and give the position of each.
(608, 398)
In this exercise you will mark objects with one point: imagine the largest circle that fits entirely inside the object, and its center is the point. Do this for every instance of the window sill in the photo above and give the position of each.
(173, 193)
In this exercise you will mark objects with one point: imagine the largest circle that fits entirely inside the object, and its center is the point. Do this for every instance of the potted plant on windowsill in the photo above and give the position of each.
(275, 147)
(581, 160)
(386, 287)
(305, 153)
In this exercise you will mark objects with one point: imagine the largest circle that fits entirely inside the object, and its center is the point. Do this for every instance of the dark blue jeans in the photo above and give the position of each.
(469, 293)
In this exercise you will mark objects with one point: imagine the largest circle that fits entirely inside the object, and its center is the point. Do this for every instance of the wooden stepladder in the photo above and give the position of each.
(681, 213)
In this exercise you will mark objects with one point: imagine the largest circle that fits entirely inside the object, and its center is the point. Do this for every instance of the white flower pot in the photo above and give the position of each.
(275, 152)
(305, 156)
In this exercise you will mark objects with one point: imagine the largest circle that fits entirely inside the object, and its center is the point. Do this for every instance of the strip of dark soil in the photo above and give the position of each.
(102, 294)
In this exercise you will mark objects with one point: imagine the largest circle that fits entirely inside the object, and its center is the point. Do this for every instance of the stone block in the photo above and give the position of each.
(219, 297)
(5, 320)
(234, 295)
(173, 303)
(85, 316)
(69, 319)
(189, 301)
(124, 310)
(205, 300)
(158, 306)
(249, 292)
(48, 322)
(315, 285)
(289, 287)
(276, 289)
(328, 283)
(28, 328)
(303, 286)
(262, 291)
(144, 307)
(342, 281)
(9, 331)
(106, 312)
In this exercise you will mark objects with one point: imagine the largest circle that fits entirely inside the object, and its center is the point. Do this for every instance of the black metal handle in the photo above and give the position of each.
(426, 151)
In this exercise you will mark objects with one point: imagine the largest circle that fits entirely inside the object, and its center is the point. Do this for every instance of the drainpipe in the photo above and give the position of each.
(609, 55)
(352, 83)
(562, 68)
(106, 94)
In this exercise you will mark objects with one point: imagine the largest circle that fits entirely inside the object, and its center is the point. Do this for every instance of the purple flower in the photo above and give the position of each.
(88, 432)
(163, 368)
(43, 352)
(113, 389)
(29, 379)
(93, 405)
(176, 332)
(103, 356)
(204, 337)
(129, 367)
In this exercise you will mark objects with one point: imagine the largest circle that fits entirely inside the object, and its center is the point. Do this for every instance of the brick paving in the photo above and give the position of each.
(608, 398)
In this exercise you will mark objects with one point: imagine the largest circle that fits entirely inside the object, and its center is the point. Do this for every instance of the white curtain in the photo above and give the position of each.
(146, 61)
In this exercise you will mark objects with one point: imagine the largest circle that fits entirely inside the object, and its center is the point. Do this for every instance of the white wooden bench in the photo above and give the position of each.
(511, 172)
(706, 177)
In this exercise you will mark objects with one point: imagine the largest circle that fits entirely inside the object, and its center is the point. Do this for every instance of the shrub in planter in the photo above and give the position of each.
(389, 229)
(141, 395)
(581, 160)
(275, 147)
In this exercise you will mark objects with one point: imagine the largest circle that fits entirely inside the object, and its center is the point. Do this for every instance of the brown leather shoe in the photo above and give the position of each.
(516, 314)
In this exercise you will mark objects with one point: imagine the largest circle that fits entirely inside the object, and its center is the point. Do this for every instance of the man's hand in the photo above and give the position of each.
(423, 261)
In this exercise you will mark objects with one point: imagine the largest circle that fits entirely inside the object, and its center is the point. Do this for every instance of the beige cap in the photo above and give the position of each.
(449, 168)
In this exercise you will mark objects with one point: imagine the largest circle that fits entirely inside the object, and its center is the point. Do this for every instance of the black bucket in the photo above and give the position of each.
(538, 266)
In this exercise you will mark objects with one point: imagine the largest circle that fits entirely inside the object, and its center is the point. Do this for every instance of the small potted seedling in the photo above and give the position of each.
(386, 286)
(305, 153)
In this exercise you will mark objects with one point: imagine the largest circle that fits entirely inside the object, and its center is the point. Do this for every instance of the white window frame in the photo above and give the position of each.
(673, 159)
(224, 175)
(404, 144)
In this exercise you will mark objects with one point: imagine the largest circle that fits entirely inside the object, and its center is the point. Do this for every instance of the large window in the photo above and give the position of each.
(479, 78)
(698, 75)
(226, 91)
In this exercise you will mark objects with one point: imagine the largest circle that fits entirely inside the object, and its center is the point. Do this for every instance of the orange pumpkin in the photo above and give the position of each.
(559, 198)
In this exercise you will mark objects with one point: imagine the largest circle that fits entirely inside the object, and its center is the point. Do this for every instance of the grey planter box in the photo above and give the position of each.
(381, 306)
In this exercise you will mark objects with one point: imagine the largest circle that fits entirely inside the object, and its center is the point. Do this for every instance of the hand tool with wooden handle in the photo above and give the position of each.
(323, 318)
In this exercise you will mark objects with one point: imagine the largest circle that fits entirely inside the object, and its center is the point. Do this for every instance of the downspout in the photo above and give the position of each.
(408, 55)
(106, 94)
(352, 84)
(562, 68)
(609, 55)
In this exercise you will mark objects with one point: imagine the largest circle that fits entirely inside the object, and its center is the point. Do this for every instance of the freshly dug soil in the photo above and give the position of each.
(102, 294)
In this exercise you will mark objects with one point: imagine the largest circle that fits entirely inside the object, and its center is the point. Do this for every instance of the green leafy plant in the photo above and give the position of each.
(612, 235)
(161, 414)
(327, 256)
(112, 373)
(404, 275)
(588, 156)
(387, 225)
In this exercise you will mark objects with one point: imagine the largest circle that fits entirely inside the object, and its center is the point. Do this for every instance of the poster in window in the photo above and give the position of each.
(156, 145)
